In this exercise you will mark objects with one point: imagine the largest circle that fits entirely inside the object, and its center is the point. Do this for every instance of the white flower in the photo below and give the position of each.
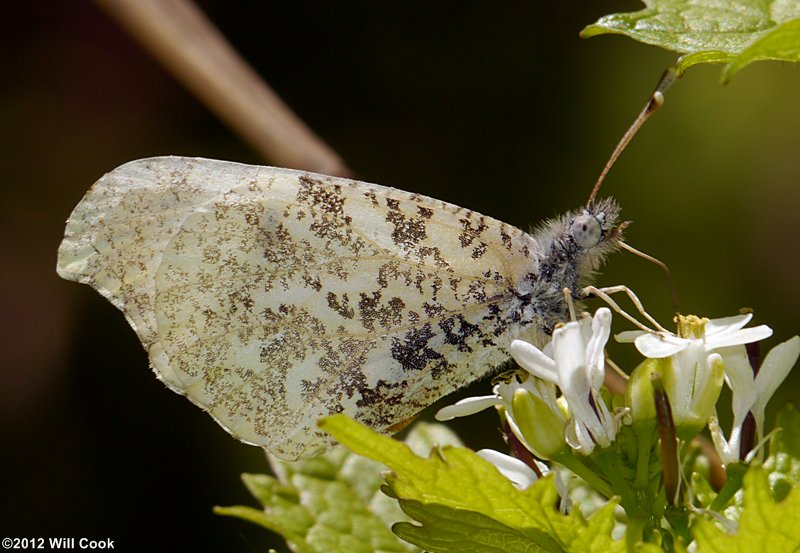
(530, 407)
(577, 367)
(469, 406)
(694, 371)
(520, 474)
(751, 393)
(697, 333)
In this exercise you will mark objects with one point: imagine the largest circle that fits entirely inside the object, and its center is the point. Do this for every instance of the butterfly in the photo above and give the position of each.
(272, 297)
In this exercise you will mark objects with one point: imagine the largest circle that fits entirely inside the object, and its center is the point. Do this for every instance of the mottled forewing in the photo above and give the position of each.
(116, 235)
(289, 296)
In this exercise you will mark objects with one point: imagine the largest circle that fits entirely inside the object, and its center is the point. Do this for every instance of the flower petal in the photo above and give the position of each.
(533, 360)
(740, 337)
(728, 452)
(595, 349)
(579, 437)
(726, 325)
(569, 352)
(776, 366)
(658, 347)
(739, 376)
(467, 406)
(628, 336)
(520, 474)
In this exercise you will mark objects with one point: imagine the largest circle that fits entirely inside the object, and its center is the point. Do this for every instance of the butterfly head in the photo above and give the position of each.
(596, 229)
(572, 249)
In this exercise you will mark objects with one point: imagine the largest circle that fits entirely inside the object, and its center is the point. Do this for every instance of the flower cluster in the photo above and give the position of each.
(559, 409)
(695, 361)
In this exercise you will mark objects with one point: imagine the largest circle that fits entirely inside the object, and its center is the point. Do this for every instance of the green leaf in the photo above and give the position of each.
(782, 43)
(712, 31)
(333, 502)
(447, 529)
(329, 503)
(783, 464)
(462, 503)
(764, 525)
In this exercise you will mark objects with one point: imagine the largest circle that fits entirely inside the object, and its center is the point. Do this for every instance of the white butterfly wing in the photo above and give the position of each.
(273, 297)
(116, 235)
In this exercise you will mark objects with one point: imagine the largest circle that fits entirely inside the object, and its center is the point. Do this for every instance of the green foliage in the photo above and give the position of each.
(764, 524)
(736, 33)
(783, 464)
(780, 43)
(462, 503)
(767, 509)
(454, 501)
(329, 503)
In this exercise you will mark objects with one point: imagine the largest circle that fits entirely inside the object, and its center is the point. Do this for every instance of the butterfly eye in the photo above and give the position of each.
(586, 230)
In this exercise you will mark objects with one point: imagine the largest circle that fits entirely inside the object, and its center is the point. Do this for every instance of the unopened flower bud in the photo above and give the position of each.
(542, 427)
(639, 394)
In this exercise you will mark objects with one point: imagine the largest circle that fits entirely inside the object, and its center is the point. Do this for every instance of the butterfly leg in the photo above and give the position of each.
(605, 295)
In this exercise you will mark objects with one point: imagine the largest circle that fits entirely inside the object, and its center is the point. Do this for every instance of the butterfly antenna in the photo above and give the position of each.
(655, 102)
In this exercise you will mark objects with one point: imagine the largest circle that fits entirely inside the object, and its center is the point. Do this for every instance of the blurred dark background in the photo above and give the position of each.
(501, 108)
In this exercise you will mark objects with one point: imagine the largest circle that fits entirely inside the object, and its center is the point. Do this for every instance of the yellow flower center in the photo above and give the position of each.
(691, 326)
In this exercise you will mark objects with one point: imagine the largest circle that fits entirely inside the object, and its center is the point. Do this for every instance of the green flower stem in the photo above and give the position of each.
(644, 444)
(678, 518)
(733, 483)
(638, 503)
(635, 532)
(581, 469)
